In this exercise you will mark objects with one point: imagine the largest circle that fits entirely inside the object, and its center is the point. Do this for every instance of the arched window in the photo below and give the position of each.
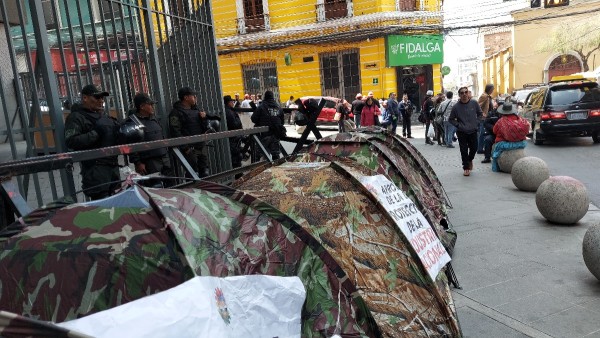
(565, 64)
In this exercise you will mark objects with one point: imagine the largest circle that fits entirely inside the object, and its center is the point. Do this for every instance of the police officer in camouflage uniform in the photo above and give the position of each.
(89, 127)
(186, 119)
(149, 161)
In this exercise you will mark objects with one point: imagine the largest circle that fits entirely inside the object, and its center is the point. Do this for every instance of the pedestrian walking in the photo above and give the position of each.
(406, 110)
(87, 127)
(427, 109)
(449, 129)
(486, 103)
(369, 113)
(465, 116)
(394, 109)
(357, 106)
(187, 119)
(342, 111)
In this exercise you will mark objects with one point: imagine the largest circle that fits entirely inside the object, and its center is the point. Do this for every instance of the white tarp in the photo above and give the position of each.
(411, 222)
(241, 306)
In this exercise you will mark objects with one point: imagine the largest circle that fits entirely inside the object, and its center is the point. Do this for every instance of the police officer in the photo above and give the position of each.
(149, 161)
(186, 119)
(233, 123)
(89, 127)
(269, 114)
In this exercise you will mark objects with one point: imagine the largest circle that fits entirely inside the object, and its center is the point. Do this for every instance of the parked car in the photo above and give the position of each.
(328, 110)
(568, 108)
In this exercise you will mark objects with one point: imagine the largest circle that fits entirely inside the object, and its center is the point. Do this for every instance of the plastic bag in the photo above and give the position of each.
(431, 132)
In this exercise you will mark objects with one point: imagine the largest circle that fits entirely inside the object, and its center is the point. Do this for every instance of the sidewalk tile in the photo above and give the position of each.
(534, 307)
(574, 322)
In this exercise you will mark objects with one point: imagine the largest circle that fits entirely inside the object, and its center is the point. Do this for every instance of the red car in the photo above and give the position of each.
(328, 110)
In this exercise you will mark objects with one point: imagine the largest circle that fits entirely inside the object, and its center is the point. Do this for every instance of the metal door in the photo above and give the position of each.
(261, 77)
(340, 74)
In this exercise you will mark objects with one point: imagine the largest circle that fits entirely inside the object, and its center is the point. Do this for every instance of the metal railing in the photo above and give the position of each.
(154, 46)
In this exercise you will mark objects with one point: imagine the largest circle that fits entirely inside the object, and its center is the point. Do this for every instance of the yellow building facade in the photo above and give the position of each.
(322, 47)
(532, 66)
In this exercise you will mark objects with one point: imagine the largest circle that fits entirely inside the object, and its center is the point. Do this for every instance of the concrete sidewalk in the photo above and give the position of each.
(520, 275)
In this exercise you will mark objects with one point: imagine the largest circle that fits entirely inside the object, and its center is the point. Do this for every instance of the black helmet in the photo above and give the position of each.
(214, 126)
(132, 130)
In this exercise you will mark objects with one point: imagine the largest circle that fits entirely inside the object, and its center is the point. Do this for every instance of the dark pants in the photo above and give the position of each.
(198, 159)
(488, 141)
(271, 144)
(480, 137)
(235, 149)
(394, 124)
(357, 120)
(427, 126)
(341, 127)
(406, 123)
(160, 165)
(100, 180)
(468, 147)
(439, 133)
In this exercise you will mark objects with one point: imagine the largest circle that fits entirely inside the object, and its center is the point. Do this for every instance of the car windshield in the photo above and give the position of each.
(520, 95)
(571, 95)
(329, 104)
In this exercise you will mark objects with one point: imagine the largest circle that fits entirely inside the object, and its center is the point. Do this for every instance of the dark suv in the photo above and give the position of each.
(564, 109)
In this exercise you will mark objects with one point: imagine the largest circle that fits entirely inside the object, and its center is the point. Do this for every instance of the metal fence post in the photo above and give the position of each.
(50, 86)
(154, 65)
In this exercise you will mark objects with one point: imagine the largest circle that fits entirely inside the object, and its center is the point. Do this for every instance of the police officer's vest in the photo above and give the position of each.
(109, 127)
(193, 124)
(152, 132)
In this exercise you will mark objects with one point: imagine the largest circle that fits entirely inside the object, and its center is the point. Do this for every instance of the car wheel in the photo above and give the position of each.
(596, 136)
(536, 139)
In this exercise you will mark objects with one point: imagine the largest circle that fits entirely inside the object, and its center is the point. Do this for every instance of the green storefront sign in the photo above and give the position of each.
(407, 50)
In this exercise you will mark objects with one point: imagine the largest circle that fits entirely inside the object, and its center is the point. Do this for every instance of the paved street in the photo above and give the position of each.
(521, 276)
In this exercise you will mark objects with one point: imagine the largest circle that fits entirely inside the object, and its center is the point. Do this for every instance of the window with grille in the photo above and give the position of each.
(180, 7)
(254, 15)
(335, 9)
(52, 22)
(111, 10)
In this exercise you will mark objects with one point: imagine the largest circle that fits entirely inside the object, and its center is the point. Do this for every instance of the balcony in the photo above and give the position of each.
(253, 24)
(333, 9)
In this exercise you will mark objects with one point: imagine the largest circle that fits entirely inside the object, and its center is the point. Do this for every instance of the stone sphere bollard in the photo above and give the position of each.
(508, 158)
(529, 172)
(562, 200)
(591, 249)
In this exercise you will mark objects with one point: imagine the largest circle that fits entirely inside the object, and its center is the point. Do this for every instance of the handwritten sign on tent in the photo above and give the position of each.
(411, 222)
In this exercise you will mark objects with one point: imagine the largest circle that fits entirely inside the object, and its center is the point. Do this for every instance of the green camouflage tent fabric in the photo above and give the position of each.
(327, 200)
(80, 259)
(396, 158)
(13, 325)
(224, 232)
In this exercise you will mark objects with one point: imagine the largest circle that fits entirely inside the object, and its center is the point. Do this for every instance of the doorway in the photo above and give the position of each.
(340, 74)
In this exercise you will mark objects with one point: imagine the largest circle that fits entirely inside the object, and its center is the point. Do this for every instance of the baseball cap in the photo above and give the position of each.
(227, 99)
(429, 92)
(184, 91)
(93, 90)
(140, 98)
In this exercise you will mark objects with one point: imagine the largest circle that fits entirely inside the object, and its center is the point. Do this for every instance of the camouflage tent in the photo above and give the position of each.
(327, 200)
(396, 158)
(13, 325)
(81, 259)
